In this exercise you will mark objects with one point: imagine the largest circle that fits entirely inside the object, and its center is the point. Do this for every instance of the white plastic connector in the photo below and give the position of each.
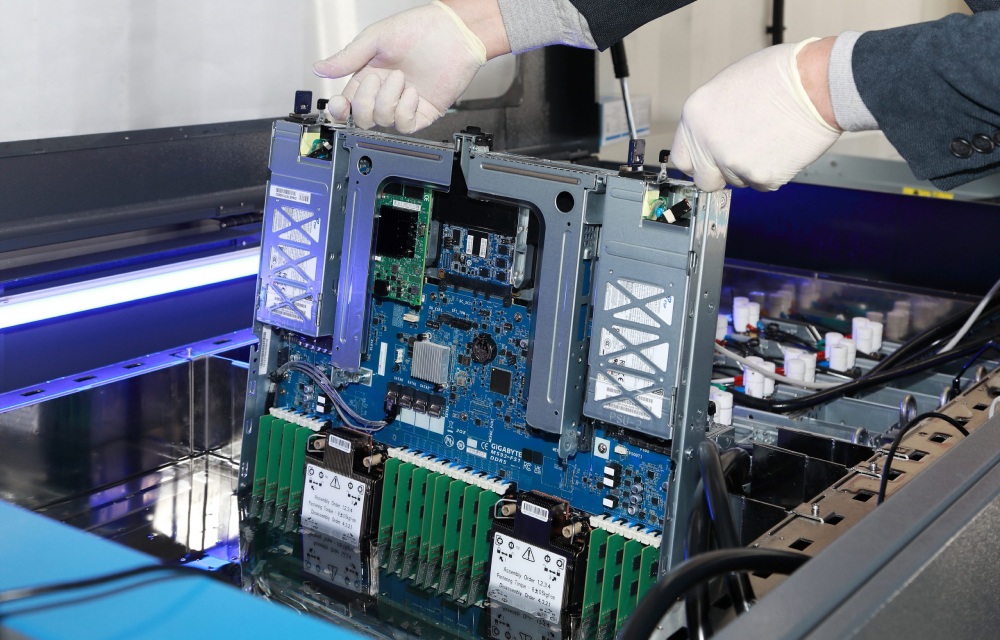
(875, 316)
(897, 322)
(453, 470)
(299, 418)
(723, 407)
(721, 327)
(857, 323)
(837, 357)
(829, 340)
(795, 369)
(852, 352)
(810, 360)
(754, 309)
(863, 337)
(741, 316)
(769, 382)
(626, 529)
(877, 328)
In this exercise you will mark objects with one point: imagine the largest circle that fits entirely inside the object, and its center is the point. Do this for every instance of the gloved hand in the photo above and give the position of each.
(408, 69)
(752, 124)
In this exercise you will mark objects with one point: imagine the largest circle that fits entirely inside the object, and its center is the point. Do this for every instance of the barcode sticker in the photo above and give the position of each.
(484, 246)
(536, 512)
(290, 194)
(340, 443)
(403, 204)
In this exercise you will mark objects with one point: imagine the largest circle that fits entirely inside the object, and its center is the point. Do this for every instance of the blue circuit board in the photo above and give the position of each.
(482, 424)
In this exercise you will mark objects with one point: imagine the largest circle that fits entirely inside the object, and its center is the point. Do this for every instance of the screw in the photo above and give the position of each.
(873, 466)
(602, 448)
(689, 453)
(815, 510)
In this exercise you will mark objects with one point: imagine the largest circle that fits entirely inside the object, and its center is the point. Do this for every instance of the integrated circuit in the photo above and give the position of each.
(401, 243)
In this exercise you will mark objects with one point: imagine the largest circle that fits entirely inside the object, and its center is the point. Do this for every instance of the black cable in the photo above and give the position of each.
(661, 596)
(697, 603)
(773, 332)
(23, 593)
(723, 524)
(884, 483)
(736, 469)
(956, 382)
(811, 400)
(926, 340)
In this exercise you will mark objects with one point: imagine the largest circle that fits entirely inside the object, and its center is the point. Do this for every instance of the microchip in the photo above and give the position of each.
(500, 381)
(501, 263)
(484, 272)
(502, 250)
(430, 362)
(456, 235)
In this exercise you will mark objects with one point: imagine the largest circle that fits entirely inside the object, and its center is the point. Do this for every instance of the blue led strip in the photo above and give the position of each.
(93, 294)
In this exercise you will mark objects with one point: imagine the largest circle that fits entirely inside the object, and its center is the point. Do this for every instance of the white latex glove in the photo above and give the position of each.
(408, 69)
(752, 124)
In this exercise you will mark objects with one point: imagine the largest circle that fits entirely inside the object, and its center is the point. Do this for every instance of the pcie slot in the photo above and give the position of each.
(453, 470)
(626, 529)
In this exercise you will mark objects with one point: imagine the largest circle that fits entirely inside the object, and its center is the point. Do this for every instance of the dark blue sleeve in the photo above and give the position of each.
(612, 20)
(983, 5)
(934, 89)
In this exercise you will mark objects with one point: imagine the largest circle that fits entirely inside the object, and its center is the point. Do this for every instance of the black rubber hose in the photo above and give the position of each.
(723, 524)
(871, 380)
(884, 483)
(736, 468)
(661, 596)
(698, 603)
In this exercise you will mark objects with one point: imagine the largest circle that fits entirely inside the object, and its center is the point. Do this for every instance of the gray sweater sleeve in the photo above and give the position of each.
(934, 89)
(531, 24)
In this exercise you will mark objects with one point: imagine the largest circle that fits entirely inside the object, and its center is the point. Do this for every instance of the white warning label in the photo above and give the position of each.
(333, 560)
(333, 504)
(527, 578)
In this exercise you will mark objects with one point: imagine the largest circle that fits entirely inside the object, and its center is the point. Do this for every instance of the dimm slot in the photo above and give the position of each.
(648, 568)
(387, 509)
(452, 536)
(612, 586)
(438, 525)
(273, 467)
(297, 484)
(414, 525)
(481, 554)
(426, 518)
(285, 473)
(467, 543)
(631, 568)
(260, 466)
(400, 516)
(597, 551)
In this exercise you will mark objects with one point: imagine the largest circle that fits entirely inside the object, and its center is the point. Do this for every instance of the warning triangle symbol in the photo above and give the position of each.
(530, 557)
(336, 482)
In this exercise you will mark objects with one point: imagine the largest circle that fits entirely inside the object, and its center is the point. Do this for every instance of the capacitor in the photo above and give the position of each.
(632, 511)
(721, 327)
(837, 357)
(637, 487)
(831, 339)
(635, 499)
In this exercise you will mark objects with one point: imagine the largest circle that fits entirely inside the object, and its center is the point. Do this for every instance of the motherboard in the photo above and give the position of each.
(482, 387)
